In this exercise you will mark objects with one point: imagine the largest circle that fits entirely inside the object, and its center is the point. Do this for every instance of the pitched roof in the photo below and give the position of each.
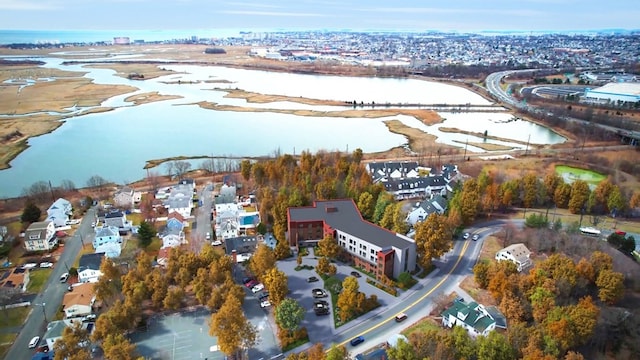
(241, 244)
(344, 215)
(105, 231)
(81, 295)
(519, 251)
(114, 214)
(471, 314)
(90, 261)
(175, 215)
(125, 190)
(55, 329)
(423, 182)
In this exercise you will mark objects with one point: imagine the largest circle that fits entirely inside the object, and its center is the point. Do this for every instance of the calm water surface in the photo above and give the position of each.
(116, 144)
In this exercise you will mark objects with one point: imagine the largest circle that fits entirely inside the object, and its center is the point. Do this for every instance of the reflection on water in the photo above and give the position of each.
(116, 144)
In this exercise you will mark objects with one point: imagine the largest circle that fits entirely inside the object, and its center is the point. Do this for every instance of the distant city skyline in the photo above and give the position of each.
(371, 15)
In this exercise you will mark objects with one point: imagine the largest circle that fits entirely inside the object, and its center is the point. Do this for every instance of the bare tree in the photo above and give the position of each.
(37, 190)
(97, 182)
(208, 165)
(181, 167)
(67, 185)
(153, 180)
(170, 168)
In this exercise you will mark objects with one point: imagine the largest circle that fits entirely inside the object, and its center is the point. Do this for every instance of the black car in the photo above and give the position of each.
(319, 293)
(355, 274)
(312, 279)
(321, 302)
(246, 280)
(356, 341)
(321, 311)
(264, 296)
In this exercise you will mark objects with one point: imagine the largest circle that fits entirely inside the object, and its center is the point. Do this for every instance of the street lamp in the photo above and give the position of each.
(44, 313)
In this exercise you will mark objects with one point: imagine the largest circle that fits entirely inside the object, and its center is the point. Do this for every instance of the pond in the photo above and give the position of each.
(570, 174)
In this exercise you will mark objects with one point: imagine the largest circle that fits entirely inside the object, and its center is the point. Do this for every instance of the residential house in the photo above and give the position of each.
(110, 250)
(240, 248)
(89, 267)
(163, 256)
(117, 219)
(226, 195)
(393, 170)
(416, 187)
(15, 280)
(377, 250)
(227, 229)
(54, 332)
(172, 238)
(472, 316)
(40, 236)
(79, 302)
(105, 235)
(180, 200)
(437, 205)
(175, 221)
(60, 212)
(124, 197)
(518, 254)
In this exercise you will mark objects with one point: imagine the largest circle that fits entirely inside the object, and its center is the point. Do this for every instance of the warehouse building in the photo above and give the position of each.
(613, 93)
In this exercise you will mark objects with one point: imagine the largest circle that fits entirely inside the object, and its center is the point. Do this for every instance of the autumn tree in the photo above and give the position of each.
(467, 201)
(262, 261)
(325, 267)
(599, 203)
(289, 314)
(70, 345)
(349, 299)
(616, 200)
(400, 224)
(481, 274)
(387, 220)
(383, 201)
(579, 196)
(530, 190)
(117, 346)
(433, 239)
(337, 353)
(402, 351)
(232, 329)
(610, 286)
(329, 247)
(494, 347)
(276, 282)
(173, 299)
(562, 195)
(245, 169)
(366, 205)
(109, 284)
(551, 182)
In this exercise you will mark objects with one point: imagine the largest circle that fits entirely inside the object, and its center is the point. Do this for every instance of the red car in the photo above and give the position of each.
(251, 284)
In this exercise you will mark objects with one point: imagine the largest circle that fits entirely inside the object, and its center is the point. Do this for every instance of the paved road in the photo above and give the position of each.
(452, 268)
(202, 225)
(53, 291)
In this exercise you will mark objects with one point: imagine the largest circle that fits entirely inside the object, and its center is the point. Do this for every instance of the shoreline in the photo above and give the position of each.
(236, 58)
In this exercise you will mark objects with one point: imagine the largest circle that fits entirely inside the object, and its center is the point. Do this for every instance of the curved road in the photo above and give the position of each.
(452, 268)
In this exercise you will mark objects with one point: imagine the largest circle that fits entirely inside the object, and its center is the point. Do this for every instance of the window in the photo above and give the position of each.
(373, 252)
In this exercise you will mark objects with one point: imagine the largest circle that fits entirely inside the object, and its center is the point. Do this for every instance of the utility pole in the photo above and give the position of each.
(527, 148)
(465, 150)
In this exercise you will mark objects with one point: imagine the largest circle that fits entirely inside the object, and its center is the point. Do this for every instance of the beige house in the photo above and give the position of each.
(79, 301)
(40, 236)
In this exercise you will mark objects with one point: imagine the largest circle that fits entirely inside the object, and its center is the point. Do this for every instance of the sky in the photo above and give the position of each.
(357, 15)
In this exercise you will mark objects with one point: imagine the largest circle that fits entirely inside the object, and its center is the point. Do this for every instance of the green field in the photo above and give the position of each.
(37, 279)
(570, 174)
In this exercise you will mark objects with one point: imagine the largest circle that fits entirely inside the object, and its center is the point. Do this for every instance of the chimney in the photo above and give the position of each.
(330, 209)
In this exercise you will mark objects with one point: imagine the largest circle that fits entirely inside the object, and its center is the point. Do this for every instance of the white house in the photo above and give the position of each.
(110, 250)
(517, 254)
(425, 208)
(180, 200)
(124, 197)
(173, 238)
(59, 212)
(473, 317)
(89, 267)
(40, 236)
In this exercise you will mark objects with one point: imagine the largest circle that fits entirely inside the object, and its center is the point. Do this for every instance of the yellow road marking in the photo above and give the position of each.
(464, 249)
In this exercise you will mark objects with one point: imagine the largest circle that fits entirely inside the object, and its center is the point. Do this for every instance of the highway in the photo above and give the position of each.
(379, 325)
(51, 296)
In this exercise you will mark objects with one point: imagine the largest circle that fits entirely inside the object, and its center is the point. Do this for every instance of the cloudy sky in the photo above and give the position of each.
(459, 15)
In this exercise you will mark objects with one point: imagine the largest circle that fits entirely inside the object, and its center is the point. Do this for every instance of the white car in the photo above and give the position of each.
(216, 243)
(257, 288)
(265, 304)
(46, 265)
(64, 277)
(34, 342)
(208, 236)
(90, 317)
(29, 265)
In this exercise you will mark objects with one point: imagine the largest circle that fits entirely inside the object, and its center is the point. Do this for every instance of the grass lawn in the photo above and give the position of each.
(421, 325)
(6, 340)
(490, 247)
(37, 279)
(154, 247)
(136, 218)
(13, 317)
(570, 174)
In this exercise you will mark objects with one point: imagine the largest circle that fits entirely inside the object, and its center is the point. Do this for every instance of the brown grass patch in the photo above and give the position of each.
(124, 69)
(481, 296)
(150, 97)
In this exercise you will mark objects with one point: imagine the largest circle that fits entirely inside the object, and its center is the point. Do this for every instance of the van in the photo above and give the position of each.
(401, 317)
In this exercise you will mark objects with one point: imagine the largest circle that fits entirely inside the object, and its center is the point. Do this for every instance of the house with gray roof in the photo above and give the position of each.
(60, 212)
(424, 208)
(240, 248)
(124, 197)
(472, 316)
(392, 170)
(417, 187)
(518, 254)
(40, 236)
(370, 246)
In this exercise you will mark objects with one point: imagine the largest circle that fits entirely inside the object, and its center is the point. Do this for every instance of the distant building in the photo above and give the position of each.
(614, 92)
(121, 40)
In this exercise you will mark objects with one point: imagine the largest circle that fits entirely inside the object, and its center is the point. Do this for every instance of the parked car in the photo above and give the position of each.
(356, 341)
(90, 317)
(475, 237)
(216, 243)
(465, 236)
(29, 265)
(319, 293)
(251, 284)
(401, 317)
(257, 288)
(64, 277)
(34, 342)
(312, 279)
(355, 274)
(321, 311)
(265, 304)
(264, 296)
(246, 280)
(208, 236)
(46, 265)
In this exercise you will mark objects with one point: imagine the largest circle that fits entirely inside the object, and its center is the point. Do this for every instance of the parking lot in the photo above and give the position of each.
(321, 327)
